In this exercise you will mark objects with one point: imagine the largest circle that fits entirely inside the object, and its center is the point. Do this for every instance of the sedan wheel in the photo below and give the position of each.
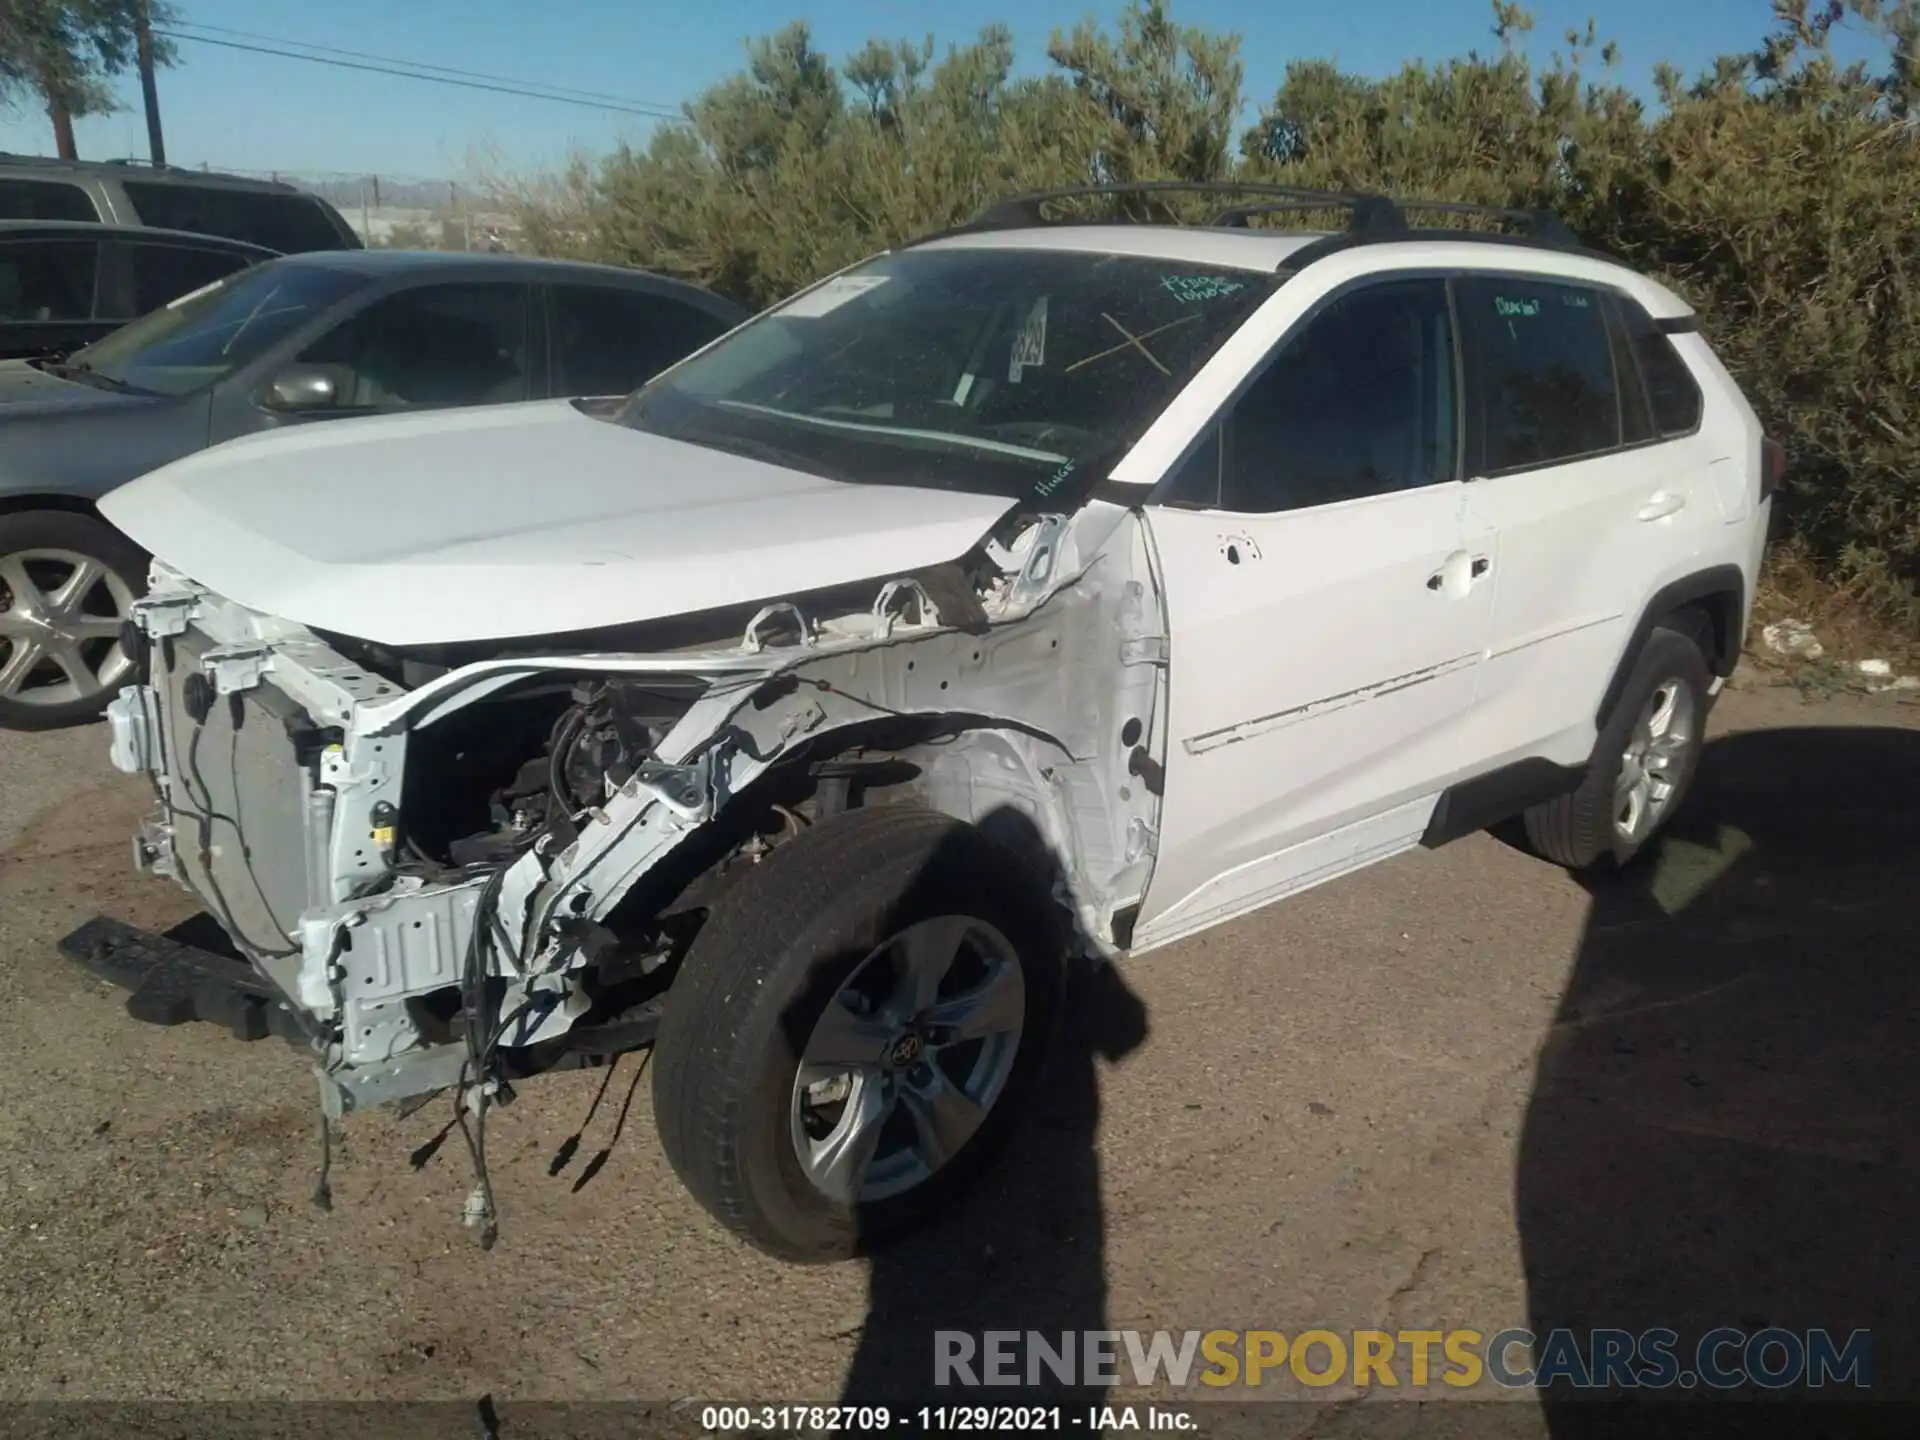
(60, 617)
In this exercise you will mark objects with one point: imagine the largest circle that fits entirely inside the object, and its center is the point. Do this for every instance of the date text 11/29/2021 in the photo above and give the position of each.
(958, 1419)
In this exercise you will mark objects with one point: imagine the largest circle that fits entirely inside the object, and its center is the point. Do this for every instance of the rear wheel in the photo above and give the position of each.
(1642, 762)
(67, 583)
(855, 1028)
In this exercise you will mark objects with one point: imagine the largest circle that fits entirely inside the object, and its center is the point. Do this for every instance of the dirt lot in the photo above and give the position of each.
(1458, 1090)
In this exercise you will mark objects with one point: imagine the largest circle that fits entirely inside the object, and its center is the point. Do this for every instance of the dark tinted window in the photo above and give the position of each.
(44, 200)
(48, 280)
(1671, 388)
(609, 342)
(1544, 368)
(1360, 402)
(288, 223)
(166, 272)
(436, 345)
(1020, 373)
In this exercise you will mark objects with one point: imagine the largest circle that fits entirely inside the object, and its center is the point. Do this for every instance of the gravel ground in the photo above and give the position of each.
(1460, 1089)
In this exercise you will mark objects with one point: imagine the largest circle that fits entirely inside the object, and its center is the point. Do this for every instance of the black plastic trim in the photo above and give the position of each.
(1473, 805)
(1678, 325)
(1724, 584)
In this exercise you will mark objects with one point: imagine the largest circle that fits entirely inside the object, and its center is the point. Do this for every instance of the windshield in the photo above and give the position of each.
(1012, 372)
(207, 335)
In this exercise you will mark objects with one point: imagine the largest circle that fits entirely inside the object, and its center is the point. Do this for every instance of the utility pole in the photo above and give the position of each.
(149, 92)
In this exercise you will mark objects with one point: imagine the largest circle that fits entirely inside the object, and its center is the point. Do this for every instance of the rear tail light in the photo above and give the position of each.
(1773, 465)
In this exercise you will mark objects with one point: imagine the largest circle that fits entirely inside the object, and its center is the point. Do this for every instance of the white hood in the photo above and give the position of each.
(518, 520)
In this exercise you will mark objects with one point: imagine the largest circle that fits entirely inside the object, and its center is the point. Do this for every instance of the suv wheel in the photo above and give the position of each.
(67, 583)
(855, 1028)
(1642, 763)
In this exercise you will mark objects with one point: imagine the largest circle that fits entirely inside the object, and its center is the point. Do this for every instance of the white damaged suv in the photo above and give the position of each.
(1044, 589)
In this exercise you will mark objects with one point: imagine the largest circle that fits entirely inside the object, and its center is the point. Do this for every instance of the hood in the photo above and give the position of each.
(25, 390)
(519, 520)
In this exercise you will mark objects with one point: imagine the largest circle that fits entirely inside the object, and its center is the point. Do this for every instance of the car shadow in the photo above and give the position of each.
(1723, 1129)
(1021, 1248)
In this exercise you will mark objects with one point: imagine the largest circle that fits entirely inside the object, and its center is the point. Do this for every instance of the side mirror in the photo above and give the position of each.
(302, 388)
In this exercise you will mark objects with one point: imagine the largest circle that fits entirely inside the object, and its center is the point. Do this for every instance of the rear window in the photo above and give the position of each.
(48, 281)
(288, 223)
(44, 200)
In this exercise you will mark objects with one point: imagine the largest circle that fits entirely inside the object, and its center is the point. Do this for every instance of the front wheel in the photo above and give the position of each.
(854, 1030)
(67, 583)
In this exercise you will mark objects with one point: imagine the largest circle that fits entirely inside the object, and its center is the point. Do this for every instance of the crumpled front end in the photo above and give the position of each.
(436, 870)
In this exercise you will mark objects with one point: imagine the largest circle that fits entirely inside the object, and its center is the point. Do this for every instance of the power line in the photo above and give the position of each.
(625, 108)
(513, 80)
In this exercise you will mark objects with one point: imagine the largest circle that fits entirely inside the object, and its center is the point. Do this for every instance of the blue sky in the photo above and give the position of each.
(232, 109)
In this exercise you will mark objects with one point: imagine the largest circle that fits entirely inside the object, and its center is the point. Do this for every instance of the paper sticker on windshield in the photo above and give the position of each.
(1030, 345)
(830, 296)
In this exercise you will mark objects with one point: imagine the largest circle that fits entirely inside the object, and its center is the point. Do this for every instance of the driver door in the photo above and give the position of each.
(1328, 600)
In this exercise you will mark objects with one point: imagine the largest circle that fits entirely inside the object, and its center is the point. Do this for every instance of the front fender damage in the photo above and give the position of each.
(1047, 696)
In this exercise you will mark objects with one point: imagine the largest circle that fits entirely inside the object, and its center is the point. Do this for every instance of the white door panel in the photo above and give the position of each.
(1582, 548)
(1323, 665)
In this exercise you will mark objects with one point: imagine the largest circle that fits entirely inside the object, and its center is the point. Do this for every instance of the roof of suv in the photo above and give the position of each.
(1378, 236)
(140, 170)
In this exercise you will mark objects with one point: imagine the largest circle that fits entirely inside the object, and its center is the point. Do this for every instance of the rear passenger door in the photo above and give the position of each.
(1593, 507)
(611, 340)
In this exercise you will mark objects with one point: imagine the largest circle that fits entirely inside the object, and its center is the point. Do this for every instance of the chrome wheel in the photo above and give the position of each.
(60, 619)
(1654, 763)
(908, 1059)
(60, 624)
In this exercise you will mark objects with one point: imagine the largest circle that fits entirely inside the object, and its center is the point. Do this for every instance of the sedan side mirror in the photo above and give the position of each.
(301, 388)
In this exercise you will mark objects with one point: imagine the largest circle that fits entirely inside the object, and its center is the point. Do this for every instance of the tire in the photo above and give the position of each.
(804, 930)
(47, 645)
(1582, 830)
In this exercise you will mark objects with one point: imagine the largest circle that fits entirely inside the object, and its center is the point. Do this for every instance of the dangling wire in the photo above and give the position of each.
(323, 1187)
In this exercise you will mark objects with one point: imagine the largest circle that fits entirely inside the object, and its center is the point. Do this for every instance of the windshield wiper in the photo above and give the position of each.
(68, 370)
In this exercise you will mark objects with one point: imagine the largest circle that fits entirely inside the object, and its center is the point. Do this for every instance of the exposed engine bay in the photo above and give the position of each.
(463, 866)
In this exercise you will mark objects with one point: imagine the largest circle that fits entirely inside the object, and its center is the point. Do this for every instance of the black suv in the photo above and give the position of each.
(66, 285)
(125, 192)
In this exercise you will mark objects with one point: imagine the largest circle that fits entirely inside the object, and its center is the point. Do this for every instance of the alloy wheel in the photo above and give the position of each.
(1654, 763)
(61, 614)
(908, 1059)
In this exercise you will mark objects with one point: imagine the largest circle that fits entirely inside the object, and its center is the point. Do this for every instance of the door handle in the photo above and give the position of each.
(1475, 567)
(1661, 505)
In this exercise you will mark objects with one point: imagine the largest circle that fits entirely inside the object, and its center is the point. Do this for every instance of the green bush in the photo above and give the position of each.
(1779, 192)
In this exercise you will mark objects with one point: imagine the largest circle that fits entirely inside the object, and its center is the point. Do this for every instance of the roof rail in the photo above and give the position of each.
(1371, 217)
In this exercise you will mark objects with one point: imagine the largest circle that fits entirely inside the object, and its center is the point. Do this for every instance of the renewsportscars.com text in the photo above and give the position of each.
(1722, 1359)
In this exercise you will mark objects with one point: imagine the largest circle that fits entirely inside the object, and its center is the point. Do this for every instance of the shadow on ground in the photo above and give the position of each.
(1724, 1128)
(1022, 1248)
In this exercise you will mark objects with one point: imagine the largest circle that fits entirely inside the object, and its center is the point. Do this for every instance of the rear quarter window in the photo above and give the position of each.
(1672, 392)
(290, 224)
(45, 200)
